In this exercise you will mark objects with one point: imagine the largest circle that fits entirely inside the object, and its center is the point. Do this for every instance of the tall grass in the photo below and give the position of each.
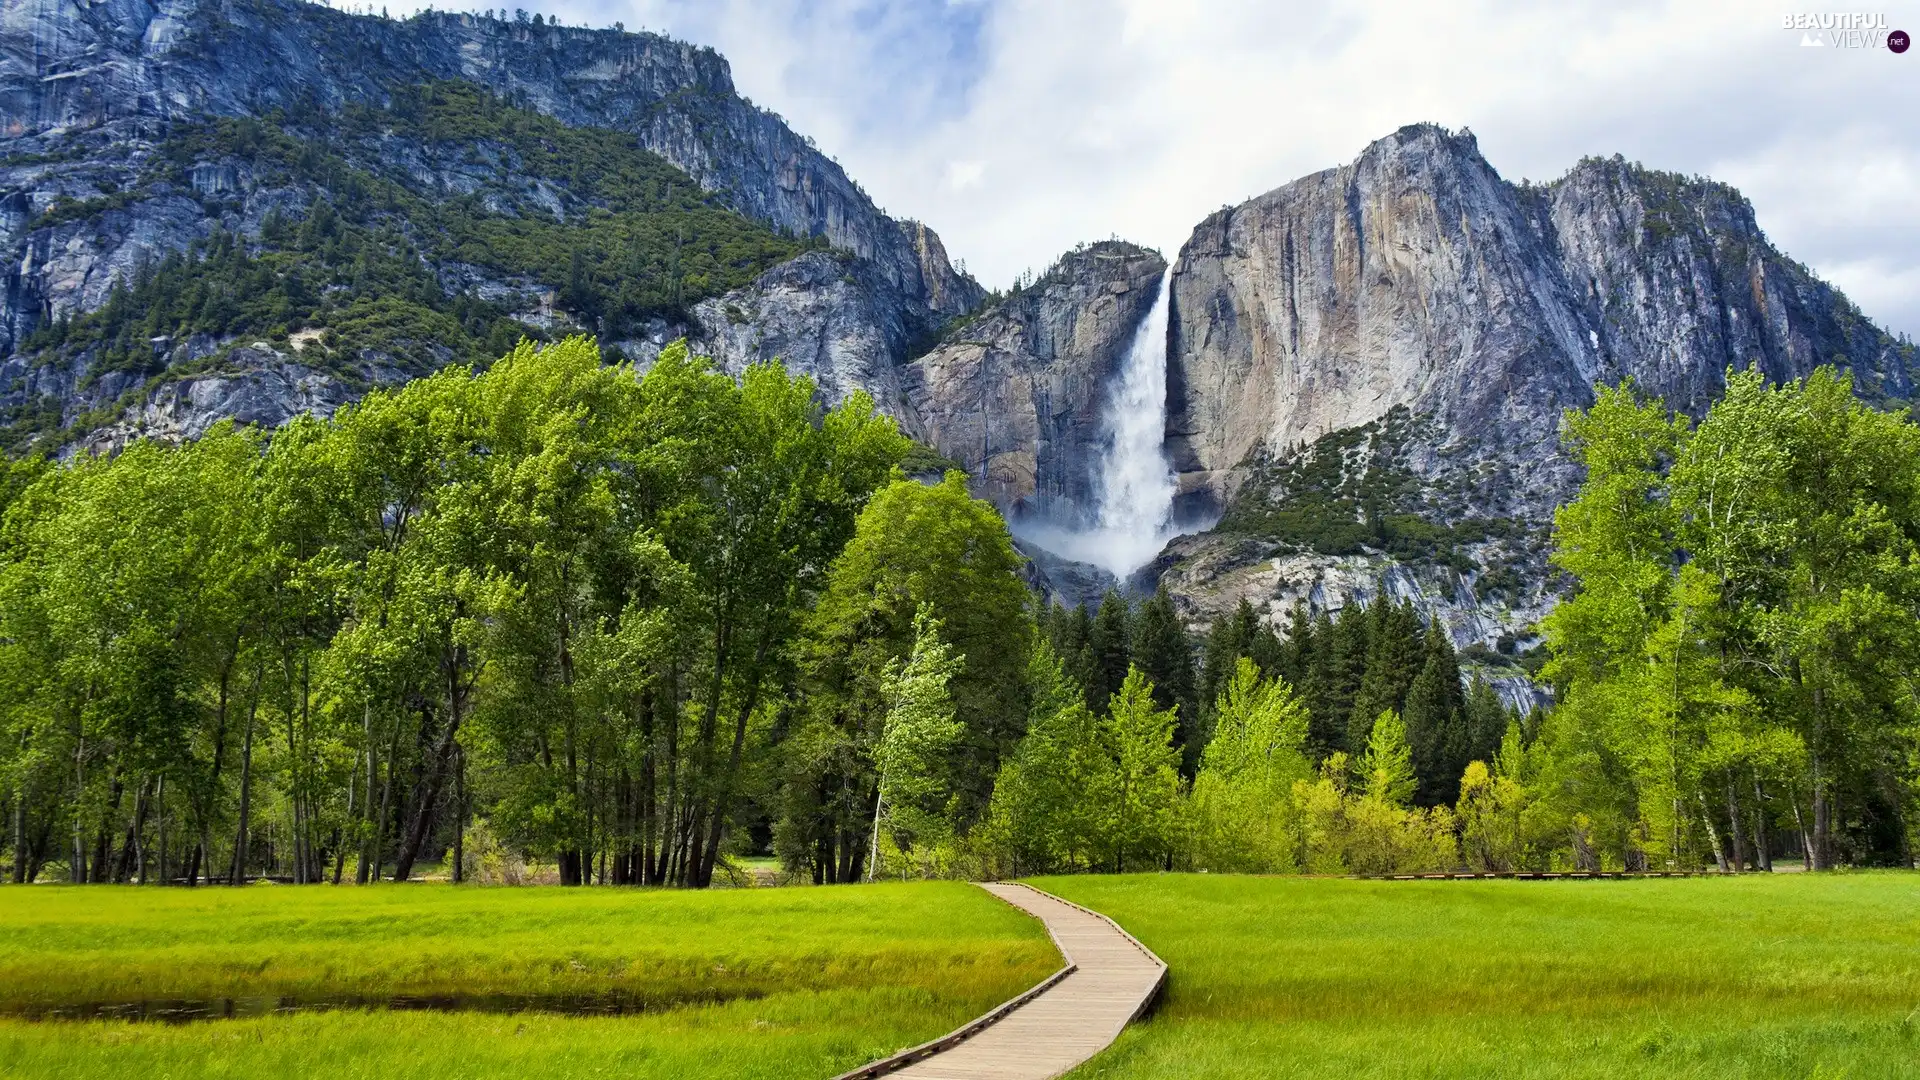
(1762, 976)
(741, 983)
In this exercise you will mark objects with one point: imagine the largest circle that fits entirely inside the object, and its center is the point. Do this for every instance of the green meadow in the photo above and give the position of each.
(1803, 976)
(738, 983)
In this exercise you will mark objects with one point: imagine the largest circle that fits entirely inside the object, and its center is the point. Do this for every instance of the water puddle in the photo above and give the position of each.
(190, 1010)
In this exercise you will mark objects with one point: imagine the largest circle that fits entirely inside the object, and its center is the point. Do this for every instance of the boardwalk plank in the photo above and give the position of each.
(1114, 979)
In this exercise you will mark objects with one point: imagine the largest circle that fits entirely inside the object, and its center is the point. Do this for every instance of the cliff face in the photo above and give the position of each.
(1368, 366)
(1407, 278)
(69, 66)
(109, 165)
(834, 318)
(1016, 396)
(1417, 277)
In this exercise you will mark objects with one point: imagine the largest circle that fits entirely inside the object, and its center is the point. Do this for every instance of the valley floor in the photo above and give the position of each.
(1757, 976)
(750, 983)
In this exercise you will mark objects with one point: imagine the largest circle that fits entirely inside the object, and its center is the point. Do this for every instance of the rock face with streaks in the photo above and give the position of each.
(1390, 346)
(70, 66)
(1417, 277)
(1018, 394)
(92, 188)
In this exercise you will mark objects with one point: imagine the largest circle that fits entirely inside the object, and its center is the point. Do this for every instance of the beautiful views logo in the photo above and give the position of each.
(1845, 30)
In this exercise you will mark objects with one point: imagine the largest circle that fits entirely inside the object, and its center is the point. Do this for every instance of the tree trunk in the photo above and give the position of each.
(101, 841)
(662, 872)
(160, 842)
(130, 847)
(1806, 840)
(723, 803)
(460, 816)
(376, 848)
(436, 768)
(1763, 849)
(238, 874)
(1733, 819)
(20, 837)
(1821, 857)
(1713, 834)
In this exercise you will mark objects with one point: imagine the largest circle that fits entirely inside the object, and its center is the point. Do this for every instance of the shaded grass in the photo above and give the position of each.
(1789, 976)
(808, 1034)
(785, 982)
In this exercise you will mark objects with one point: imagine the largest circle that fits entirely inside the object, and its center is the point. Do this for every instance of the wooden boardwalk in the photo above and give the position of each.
(1109, 981)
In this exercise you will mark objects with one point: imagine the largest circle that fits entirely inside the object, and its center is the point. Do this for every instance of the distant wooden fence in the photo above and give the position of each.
(1530, 875)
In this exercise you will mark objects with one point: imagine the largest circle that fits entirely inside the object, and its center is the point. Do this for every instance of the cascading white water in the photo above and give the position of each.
(1134, 481)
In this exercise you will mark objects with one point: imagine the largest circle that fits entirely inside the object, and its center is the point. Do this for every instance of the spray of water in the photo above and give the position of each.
(1134, 481)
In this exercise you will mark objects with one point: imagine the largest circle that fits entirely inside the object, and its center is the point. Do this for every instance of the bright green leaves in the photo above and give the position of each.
(1242, 808)
(1746, 601)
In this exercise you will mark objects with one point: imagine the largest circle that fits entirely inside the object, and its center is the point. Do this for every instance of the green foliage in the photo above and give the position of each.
(1728, 664)
(1352, 491)
(1386, 771)
(1089, 792)
(1048, 800)
(1164, 654)
(1242, 797)
(1144, 817)
(914, 546)
(910, 758)
(556, 595)
(1110, 641)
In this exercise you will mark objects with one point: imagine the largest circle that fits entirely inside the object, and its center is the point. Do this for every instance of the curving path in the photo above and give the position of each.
(1109, 981)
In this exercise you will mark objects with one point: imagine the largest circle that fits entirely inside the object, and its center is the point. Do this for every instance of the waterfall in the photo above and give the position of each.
(1133, 481)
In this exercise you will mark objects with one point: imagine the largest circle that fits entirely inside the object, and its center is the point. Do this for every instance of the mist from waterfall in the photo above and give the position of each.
(1134, 483)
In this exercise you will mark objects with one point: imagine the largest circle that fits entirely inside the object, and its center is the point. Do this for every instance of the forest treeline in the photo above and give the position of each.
(632, 626)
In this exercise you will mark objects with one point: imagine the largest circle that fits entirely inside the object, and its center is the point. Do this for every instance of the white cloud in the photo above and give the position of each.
(962, 175)
(1020, 127)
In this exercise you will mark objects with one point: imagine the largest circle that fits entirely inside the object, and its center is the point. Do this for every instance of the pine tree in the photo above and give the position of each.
(1108, 641)
(1346, 667)
(1394, 659)
(1487, 720)
(1262, 644)
(1436, 722)
(1164, 654)
(1222, 651)
(1142, 813)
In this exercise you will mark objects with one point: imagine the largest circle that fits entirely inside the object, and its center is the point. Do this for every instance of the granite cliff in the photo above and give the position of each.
(136, 131)
(1368, 366)
(1016, 395)
(253, 208)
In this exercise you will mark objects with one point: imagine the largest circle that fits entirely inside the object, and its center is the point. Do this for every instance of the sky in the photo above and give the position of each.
(1018, 128)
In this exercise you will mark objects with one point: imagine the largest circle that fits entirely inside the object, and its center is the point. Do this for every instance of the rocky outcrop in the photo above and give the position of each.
(1681, 284)
(1417, 277)
(90, 191)
(1209, 574)
(1416, 280)
(253, 384)
(1016, 395)
(833, 318)
(125, 66)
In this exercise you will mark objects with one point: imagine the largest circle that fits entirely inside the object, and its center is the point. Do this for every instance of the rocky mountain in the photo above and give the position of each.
(1368, 366)
(1417, 277)
(252, 208)
(1016, 395)
(480, 150)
